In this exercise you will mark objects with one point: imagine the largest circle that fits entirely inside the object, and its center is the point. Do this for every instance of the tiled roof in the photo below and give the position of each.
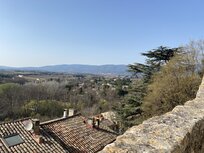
(77, 137)
(63, 135)
(29, 145)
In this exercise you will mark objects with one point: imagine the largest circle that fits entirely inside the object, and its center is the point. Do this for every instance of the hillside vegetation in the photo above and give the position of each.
(169, 77)
(45, 95)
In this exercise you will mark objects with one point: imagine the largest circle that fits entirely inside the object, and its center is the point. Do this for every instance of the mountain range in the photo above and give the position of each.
(76, 69)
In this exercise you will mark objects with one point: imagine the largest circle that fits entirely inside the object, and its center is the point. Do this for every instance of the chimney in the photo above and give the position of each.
(36, 131)
(65, 113)
(97, 122)
(36, 126)
(90, 122)
(93, 122)
(71, 112)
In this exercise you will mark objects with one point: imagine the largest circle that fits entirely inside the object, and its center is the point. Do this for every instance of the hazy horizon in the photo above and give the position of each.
(50, 32)
(65, 64)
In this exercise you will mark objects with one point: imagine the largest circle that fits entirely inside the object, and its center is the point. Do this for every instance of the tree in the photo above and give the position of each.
(10, 96)
(155, 59)
(45, 109)
(129, 109)
(160, 55)
(195, 49)
(176, 83)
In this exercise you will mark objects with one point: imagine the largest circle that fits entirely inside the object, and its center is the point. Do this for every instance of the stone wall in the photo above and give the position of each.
(178, 131)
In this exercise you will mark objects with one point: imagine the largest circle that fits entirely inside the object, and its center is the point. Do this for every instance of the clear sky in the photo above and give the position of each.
(44, 32)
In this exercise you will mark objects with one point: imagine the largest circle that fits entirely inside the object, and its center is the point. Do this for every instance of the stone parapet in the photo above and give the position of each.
(178, 131)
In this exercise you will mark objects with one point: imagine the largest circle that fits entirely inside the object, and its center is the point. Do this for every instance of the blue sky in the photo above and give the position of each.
(49, 32)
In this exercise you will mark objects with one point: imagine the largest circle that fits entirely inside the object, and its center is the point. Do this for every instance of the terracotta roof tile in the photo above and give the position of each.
(77, 137)
(29, 145)
(63, 135)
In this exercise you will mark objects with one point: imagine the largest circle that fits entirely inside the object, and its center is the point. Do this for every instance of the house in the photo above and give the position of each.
(14, 138)
(72, 133)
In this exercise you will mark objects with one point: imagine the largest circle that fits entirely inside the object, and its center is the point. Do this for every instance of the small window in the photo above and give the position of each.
(13, 140)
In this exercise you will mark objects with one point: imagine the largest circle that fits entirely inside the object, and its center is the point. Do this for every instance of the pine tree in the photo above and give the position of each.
(129, 110)
(155, 59)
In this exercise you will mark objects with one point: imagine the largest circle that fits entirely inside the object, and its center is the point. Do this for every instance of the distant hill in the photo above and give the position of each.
(77, 69)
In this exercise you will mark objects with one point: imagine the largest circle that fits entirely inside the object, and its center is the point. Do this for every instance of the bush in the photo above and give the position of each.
(176, 83)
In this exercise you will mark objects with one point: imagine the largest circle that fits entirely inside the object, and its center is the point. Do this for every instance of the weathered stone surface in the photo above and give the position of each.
(178, 131)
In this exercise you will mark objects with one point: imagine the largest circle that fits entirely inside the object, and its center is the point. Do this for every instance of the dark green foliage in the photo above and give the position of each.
(129, 108)
(121, 92)
(129, 111)
(138, 69)
(160, 55)
(155, 59)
